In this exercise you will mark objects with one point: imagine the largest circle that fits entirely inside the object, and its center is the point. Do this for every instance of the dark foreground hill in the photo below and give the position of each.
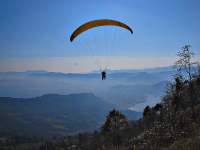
(54, 114)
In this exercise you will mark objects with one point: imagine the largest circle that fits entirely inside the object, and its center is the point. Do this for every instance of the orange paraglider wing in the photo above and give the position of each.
(97, 23)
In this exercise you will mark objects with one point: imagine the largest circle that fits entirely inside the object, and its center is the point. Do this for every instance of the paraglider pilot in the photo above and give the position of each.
(103, 75)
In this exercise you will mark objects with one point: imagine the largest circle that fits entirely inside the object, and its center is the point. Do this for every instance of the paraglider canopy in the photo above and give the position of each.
(96, 23)
(101, 40)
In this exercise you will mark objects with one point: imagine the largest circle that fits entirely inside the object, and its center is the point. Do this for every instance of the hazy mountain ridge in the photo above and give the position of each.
(140, 89)
(127, 96)
(37, 83)
(54, 114)
(144, 78)
(148, 70)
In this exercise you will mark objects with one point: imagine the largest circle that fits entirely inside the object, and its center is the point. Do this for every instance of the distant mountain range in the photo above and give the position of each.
(37, 83)
(54, 114)
(149, 70)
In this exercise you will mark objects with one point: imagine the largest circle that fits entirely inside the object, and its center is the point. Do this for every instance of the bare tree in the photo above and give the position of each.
(184, 63)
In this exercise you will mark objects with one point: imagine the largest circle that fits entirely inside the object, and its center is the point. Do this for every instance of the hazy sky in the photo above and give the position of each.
(34, 34)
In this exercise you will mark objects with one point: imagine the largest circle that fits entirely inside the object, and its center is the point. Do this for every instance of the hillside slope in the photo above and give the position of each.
(53, 114)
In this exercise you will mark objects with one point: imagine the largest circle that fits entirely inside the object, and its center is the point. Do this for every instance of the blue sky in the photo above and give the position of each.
(34, 34)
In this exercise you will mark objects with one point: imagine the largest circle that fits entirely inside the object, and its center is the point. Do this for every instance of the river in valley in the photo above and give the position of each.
(152, 100)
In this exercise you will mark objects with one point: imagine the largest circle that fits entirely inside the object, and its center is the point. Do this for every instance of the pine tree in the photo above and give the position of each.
(112, 129)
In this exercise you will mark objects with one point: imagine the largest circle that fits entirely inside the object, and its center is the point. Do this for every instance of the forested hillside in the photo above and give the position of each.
(54, 114)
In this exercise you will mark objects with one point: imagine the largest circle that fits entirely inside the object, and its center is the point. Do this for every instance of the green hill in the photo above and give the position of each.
(53, 114)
